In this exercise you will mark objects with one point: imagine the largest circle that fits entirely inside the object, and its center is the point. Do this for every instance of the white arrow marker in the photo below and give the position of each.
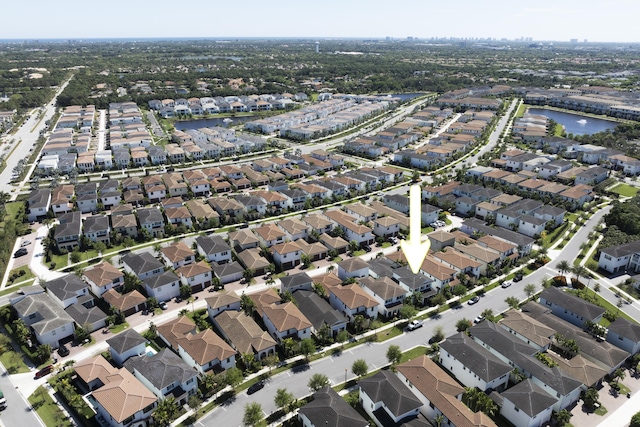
(414, 249)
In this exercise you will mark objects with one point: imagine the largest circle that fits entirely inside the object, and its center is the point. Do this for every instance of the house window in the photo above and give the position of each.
(32, 316)
(53, 332)
(516, 409)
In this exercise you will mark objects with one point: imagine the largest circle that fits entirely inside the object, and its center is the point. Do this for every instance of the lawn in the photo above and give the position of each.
(559, 130)
(625, 190)
(359, 253)
(413, 353)
(20, 278)
(13, 362)
(48, 411)
(521, 110)
(60, 260)
(119, 328)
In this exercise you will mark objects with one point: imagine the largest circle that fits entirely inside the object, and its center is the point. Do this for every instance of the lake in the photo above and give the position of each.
(209, 123)
(575, 123)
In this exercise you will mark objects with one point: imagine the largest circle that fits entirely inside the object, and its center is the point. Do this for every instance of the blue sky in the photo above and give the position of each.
(562, 20)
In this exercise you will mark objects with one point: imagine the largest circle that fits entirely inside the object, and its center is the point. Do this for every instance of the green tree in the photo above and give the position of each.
(408, 311)
(477, 400)
(359, 367)
(185, 291)
(165, 412)
(43, 352)
(579, 271)
(394, 355)
(563, 266)
(318, 381)
(463, 324)
(530, 289)
(305, 260)
(358, 322)
(82, 333)
(591, 398)
(618, 375)
(283, 399)
(307, 347)
(342, 336)
(233, 376)
(512, 302)
(194, 402)
(635, 420)
(21, 331)
(438, 334)
(252, 414)
(248, 274)
(247, 305)
(488, 315)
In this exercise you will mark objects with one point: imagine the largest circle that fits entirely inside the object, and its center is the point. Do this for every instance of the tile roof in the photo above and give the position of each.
(123, 395)
(245, 334)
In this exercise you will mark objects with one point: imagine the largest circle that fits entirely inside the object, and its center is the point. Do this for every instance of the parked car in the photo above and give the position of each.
(473, 300)
(518, 277)
(414, 324)
(63, 351)
(44, 371)
(20, 252)
(478, 319)
(163, 305)
(366, 248)
(255, 387)
(506, 284)
(25, 243)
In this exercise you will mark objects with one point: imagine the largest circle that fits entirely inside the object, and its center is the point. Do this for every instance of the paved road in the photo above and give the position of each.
(26, 138)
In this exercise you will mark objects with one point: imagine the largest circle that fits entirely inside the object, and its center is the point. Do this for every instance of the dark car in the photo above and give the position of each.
(20, 252)
(63, 351)
(517, 277)
(366, 248)
(44, 371)
(255, 387)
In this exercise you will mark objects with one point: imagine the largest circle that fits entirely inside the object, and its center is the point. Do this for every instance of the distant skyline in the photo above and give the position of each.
(543, 20)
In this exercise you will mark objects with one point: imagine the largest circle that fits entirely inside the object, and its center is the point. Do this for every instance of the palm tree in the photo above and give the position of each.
(564, 267)
(579, 271)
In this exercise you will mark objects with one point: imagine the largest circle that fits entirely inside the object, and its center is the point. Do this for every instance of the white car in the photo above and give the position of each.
(415, 324)
(25, 243)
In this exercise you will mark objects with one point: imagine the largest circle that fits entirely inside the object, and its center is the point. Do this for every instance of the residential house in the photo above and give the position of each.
(319, 312)
(571, 308)
(286, 320)
(222, 302)
(102, 277)
(45, 317)
(328, 408)
(352, 267)
(440, 394)
(125, 225)
(177, 254)
(286, 255)
(163, 286)
(527, 405)
(244, 334)
(128, 303)
(243, 239)
(142, 265)
(123, 400)
(624, 334)
(151, 220)
(214, 248)
(472, 364)
(197, 275)
(228, 272)
(251, 259)
(351, 300)
(67, 289)
(67, 233)
(294, 282)
(97, 229)
(387, 400)
(165, 374)
(38, 204)
(270, 234)
(128, 343)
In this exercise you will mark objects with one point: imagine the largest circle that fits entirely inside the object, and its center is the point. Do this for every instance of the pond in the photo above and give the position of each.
(575, 123)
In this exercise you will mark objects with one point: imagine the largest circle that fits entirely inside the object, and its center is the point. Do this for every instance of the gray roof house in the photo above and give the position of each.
(472, 364)
(527, 404)
(125, 345)
(624, 334)
(49, 322)
(67, 233)
(569, 307)
(214, 248)
(66, 289)
(329, 409)
(142, 265)
(229, 272)
(86, 314)
(38, 204)
(97, 228)
(165, 374)
(388, 400)
(294, 282)
(319, 312)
